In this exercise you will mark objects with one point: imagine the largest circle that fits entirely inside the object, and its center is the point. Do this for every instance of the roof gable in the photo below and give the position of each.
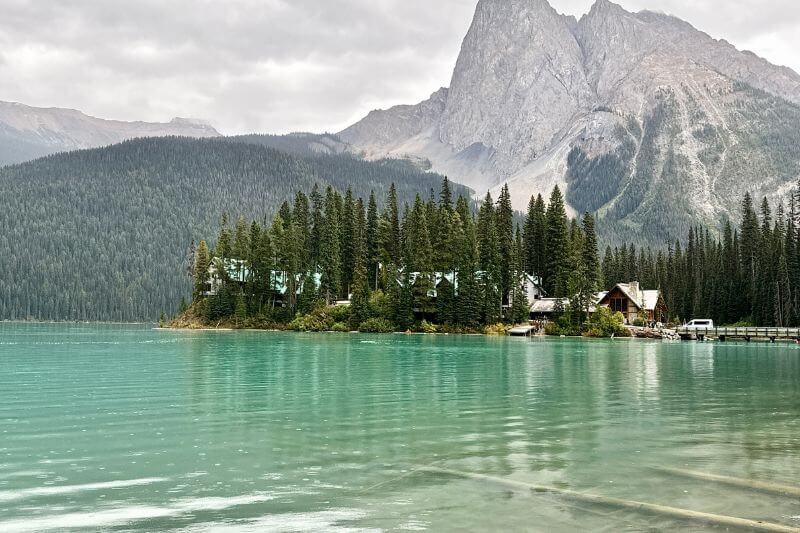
(643, 300)
(622, 289)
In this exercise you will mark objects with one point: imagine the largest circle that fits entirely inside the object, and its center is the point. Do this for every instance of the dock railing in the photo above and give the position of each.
(748, 334)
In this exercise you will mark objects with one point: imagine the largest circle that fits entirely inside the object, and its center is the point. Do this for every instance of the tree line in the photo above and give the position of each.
(463, 267)
(749, 275)
(440, 259)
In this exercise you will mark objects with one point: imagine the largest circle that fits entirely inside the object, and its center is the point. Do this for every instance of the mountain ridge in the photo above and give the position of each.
(28, 132)
(619, 108)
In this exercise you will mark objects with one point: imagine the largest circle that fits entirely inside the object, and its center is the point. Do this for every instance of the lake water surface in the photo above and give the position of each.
(129, 429)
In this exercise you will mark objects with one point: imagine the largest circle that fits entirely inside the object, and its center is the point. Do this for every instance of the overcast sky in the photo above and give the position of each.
(284, 65)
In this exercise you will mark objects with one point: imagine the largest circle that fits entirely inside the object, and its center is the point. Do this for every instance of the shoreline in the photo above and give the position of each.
(330, 332)
(156, 327)
(78, 322)
(404, 333)
(493, 335)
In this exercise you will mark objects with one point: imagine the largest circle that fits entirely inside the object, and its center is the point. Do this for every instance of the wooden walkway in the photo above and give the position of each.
(747, 334)
(523, 331)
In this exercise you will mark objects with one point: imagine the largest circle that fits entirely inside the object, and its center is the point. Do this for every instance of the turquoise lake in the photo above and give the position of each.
(112, 428)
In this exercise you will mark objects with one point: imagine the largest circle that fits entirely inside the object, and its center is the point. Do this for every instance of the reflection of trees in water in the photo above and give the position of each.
(551, 409)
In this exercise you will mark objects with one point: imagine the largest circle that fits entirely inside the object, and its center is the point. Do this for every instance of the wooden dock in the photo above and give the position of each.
(746, 334)
(523, 331)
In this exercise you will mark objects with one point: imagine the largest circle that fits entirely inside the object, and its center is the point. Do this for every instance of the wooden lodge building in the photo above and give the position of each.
(626, 298)
(237, 271)
(635, 303)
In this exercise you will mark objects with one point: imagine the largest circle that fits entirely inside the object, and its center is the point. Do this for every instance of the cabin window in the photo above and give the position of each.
(619, 305)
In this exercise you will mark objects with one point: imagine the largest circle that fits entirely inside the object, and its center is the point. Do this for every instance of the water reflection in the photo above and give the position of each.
(323, 423)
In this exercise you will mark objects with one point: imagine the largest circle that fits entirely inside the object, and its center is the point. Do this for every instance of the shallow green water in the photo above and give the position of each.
(124, 428)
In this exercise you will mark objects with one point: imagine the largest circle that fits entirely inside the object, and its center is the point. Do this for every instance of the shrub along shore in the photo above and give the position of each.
(336, 319)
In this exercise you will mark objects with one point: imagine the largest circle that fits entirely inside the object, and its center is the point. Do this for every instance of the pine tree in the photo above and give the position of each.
(750, 242)
(418, 250)
(535, 236)
(557, 256)
(489, 262)
(763, 296)
(392, 238)
(418, 257)
(301, 218)
(782, 295)
(317, 229)
(241, 241)
(591, 261)
(201, 275)
(730, 277)
(608, 280)
(372, 242)
(224, 246)
(284, 239)
(241, 310)
(792, 263)
(330, 255)
(441, 235)
(540, 242)
(446, 196)
(446, 302)
(504, 220)
(360, 308)
(468, 299)
(347, 243)
(520, 306)
(285, 213)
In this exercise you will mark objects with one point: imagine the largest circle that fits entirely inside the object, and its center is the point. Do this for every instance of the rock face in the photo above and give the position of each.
(29, 132)
(518, 80)
(642, 118)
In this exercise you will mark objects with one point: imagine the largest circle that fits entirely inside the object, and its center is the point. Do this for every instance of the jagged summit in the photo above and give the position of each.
(641, 117)
(607, 6)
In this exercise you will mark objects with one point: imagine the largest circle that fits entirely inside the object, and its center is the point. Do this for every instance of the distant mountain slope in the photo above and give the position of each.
(102, 234)
(641, 117)
(30, 132)
(303, 144)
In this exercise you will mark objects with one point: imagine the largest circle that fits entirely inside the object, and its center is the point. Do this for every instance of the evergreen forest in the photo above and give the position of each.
(388, 262)
(396, 265)
(106, 234)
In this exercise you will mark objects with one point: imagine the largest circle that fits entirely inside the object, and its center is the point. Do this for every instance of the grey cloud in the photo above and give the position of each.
(279, 65)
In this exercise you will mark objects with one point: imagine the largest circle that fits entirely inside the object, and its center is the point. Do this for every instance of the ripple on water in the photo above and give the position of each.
(128, 515)
(271, 432)
(39, 492)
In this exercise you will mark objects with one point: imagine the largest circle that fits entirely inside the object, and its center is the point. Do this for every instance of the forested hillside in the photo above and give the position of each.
(303, 144)
(105, 234)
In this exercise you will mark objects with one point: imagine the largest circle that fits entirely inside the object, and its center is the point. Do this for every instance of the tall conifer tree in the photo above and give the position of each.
(557, 254)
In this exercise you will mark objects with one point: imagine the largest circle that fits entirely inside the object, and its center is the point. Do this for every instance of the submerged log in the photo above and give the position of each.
(761, 486)
(650, 508)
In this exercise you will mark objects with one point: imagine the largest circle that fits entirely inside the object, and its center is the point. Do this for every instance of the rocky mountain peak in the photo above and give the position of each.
(640, 117)
(515, 52)
(605, 7)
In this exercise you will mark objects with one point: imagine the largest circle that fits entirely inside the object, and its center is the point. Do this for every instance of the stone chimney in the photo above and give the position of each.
(634, 285)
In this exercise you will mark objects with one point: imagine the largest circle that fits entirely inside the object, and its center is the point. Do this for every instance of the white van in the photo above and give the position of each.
(700, 324)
